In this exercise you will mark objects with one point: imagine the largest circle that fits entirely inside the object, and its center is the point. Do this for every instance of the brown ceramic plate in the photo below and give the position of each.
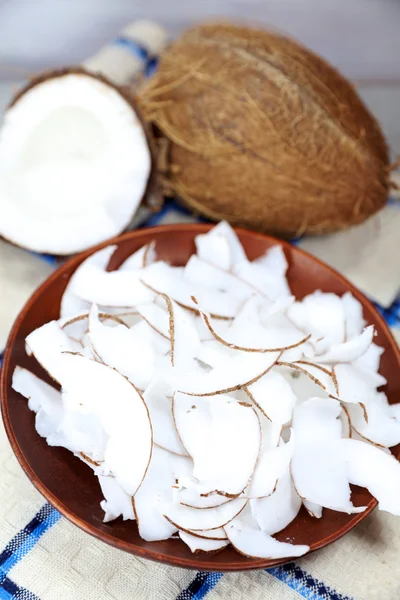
(69, 484)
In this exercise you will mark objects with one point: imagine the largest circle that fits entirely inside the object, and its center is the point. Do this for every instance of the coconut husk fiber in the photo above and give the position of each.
(260, 131)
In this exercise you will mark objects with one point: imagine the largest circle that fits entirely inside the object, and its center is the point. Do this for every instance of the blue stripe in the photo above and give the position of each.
(134, 48)
(27, 538)
(11, 591)
(170, 206)
(209, 583)
(200, 586)
(295, 241)
(47, 257)
(293, 576)
(151, 67)
(4, 592)
(304, 584)
(157, 217)
(390, 314)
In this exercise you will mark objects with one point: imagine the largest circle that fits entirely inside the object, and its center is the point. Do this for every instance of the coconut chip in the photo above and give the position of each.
(197, 544)
(210, 429)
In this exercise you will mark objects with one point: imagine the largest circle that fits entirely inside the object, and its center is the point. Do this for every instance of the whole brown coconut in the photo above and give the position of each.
(264, 133)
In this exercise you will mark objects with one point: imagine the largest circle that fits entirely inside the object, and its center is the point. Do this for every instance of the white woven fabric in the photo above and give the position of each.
(69, 564)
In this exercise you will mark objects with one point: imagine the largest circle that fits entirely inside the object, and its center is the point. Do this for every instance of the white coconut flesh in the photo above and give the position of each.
(74, 165)
(185, 517)
(116, 503)
(157, 493)
(197, 544)
(192, 494)
(210, 534)
(119, 347)
(43, 399)
(313, 509)
(158, 399)
(278, 510)
(209, 429)
(271, 467)
(226, 252)
(209, 402)
(72, 304)
(247, 538)
(274, 397)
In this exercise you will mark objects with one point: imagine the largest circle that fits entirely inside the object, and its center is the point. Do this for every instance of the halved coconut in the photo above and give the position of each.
(75, 162)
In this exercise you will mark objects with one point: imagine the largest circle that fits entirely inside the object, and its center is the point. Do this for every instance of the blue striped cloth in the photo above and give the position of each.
(202, 583)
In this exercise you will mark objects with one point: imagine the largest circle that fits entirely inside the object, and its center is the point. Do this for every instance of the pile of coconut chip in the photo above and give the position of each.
(209, 402)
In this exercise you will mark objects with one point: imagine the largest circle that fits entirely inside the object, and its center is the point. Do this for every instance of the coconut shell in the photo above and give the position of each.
(264, 133)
